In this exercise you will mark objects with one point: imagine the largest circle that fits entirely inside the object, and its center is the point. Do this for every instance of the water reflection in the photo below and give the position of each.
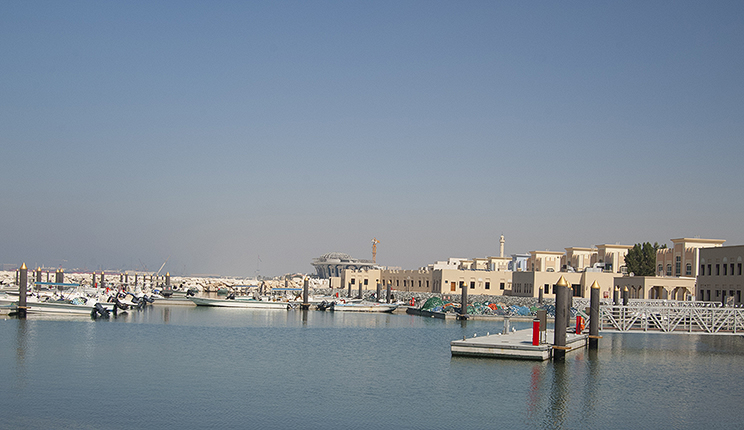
(559, 397)
(22, 341)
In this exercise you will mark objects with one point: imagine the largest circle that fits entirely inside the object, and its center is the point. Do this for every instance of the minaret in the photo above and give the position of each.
(501, 246)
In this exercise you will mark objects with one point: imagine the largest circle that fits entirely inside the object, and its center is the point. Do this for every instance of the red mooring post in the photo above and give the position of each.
(578, 324)
(535, 332)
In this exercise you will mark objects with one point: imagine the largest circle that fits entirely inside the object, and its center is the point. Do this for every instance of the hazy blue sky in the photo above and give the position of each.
(215, 132)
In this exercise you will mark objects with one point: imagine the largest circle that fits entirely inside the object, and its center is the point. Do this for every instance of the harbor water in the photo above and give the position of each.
(195, 368)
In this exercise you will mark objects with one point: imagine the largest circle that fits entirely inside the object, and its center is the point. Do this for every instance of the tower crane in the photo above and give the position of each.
(374, 249)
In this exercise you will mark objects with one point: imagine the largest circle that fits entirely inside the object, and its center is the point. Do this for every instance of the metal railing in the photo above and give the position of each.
(672, 317)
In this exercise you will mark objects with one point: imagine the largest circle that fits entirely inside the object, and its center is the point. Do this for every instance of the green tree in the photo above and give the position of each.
(641, 259)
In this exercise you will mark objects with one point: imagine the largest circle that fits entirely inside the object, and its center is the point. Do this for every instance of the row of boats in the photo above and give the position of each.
(100, 303)
(319, 303)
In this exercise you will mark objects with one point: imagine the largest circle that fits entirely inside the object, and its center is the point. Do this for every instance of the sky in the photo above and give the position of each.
(242, 138)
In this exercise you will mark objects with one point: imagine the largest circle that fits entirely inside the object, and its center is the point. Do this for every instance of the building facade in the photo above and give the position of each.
(720, 275)
(333, 264)
(683, 258)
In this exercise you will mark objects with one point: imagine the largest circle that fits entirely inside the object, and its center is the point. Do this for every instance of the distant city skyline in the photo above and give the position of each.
(215, 134)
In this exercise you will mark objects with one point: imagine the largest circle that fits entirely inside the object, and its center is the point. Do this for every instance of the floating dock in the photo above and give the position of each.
(515, 345)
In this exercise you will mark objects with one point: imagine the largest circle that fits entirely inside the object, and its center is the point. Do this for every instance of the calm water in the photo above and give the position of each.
(189, 368)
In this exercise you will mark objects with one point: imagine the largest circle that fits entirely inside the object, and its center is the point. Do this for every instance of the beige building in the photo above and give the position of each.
(683, 259)
(529, 284)
(720, 276)
(544, 261)
(612, 256)
(577, 258)
(655, 287)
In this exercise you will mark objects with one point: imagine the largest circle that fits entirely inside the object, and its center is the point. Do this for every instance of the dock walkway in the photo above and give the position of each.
(517, 345)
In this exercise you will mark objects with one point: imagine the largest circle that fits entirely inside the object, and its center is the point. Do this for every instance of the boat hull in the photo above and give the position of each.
(63, 308)
(363, 307)
(238, 303)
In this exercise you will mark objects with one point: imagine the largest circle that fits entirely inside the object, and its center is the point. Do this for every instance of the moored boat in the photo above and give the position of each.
(239, 302)
(363, 307)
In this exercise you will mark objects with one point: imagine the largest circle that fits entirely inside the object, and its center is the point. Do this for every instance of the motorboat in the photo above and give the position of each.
(77, 305)
(239, 302)
(360, 306)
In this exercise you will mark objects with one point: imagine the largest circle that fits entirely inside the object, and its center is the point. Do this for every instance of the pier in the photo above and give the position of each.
(517, 345)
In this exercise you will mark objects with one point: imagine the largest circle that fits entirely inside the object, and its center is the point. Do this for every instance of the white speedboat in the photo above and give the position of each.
(78, 306)
(363, 307)
(239, 302)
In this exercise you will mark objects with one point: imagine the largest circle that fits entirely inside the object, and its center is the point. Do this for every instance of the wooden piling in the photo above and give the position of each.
(305, 294)
(463, 302)
(626, 296)
(559, 332)
(22, 286)
(594, 316)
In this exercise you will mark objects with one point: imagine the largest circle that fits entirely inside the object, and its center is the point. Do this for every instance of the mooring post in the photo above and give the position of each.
(126, 278)
(540, 296)
(616, 296)
(135, 279)
(22, 286)
(305, 294)
(388, 291)
(626, 296)
(463, 302)
(569, 303)
(594, 316)
(38, 274)
(535, 332)
(559, 331)
(348, 294)
(103, 282)
(167, 279)
(359, 296)
(378, 292)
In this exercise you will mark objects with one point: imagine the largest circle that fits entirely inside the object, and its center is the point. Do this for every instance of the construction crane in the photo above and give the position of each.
(374, 249)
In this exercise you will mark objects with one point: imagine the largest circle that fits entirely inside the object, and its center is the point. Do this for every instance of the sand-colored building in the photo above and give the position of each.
(577, 258)
(683, 259)
(544, 261)
(657, 287)
(529, 284)
(612, 256)
(720, 275)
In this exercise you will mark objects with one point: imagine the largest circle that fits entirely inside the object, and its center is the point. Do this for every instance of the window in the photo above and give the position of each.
(472, 285)
(453, 286)
(661, 269)
(718, 269)
(546, 288)
(732, 269)
(501, 285)
(709, 270)
(669, 270)
(677, 265)
(352, 281)
(739, 269)
(702, 269)
(488, 285)
(688, 269)
(725, 269)
(366, 281)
